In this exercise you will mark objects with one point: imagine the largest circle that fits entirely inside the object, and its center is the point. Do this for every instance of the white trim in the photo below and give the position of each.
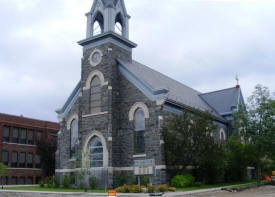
(19, 144)
(224, 134)
(91, 76)
(161, 167)
(161, 142)
(135, 107)
(95, 114)
(110, 87)
(100, 57)
(65, 170)
(160, 102)
(138, 156)
(71, 119)
(110, 139)
(36, 169)
(85, 154)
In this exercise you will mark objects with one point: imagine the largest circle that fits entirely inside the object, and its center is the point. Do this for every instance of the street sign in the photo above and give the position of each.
(144, 167)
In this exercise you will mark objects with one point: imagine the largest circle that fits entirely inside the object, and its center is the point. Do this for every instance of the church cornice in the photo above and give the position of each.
(108, 36)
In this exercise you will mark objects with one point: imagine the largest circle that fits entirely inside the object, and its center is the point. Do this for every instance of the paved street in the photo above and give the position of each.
(266, 191)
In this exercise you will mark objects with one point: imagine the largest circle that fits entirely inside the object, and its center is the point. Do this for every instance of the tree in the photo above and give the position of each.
(3, 171)
(256, 126)
(188, 142)
(47, 150)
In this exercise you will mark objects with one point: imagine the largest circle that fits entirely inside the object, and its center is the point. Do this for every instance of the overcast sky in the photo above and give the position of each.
(203, 44)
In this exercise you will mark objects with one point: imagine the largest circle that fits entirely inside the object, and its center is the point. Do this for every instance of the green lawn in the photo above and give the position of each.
(38, 188)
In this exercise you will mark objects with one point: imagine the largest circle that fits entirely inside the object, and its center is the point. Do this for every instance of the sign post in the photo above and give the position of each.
(145, 167)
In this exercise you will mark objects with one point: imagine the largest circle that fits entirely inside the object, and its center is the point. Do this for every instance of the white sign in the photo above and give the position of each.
(144, 167)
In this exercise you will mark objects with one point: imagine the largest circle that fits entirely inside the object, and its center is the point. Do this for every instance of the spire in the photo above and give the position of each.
(108, 16)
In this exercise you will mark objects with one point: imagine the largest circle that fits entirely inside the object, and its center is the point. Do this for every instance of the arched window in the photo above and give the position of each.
(96, 153)
(95, 96)
(74, 137)
(119, 27)
(98, 24)
(139, 120)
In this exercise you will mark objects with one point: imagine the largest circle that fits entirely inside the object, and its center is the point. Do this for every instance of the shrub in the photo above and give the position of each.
(93, 182)
(66, 181)
(119, 179)
(41, 184)
(151, 189)
(49, 182)
(56, 182)
(72, 180)
(197, 184)
(144, 180)
(182, 180)
(162, 188)
(135, 189)
(172, 189)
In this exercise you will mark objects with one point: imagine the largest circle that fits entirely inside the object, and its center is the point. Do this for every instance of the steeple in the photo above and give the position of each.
(108, 16)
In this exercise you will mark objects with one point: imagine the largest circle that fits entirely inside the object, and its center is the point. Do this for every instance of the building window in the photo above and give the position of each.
(14, 160)
(14, 180)
(6, 134)
(22, 180)
(96, 153)
(15, 134)
(5, 157)
(95, 96)
(37, 162)
(23, 137)
(30, 180)
(30, 160)
(74, 137)
(5, 180)
(30, 137)
(22, 160)
(139, 121)
(39, 135)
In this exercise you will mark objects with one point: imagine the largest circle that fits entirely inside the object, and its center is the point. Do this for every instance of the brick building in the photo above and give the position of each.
(19, 136)
(114, 115)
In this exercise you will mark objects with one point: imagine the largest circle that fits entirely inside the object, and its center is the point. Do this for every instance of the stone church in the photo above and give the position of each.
(112, 120)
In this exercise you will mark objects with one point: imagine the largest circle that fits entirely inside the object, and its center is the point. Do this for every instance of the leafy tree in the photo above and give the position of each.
(188, 141)
(238, 156)
(47, 150)
(256, 126)
(3, 171)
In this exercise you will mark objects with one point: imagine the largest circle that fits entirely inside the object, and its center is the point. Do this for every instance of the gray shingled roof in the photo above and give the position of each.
(177, 91)
(223, 100)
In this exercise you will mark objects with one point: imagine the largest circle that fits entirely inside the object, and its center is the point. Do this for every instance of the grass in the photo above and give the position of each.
(245, 186)
(213, 186)
(46, 189)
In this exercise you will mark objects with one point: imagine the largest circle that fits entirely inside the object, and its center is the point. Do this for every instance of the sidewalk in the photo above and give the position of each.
(82, 194)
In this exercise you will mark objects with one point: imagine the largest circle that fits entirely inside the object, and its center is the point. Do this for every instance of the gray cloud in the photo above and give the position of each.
(203, 44)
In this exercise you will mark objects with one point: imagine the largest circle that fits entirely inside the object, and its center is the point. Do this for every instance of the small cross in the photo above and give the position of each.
(237, 79)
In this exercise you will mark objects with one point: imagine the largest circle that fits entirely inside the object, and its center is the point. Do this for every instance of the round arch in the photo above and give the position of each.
(135, 107)
(91, 76)
(85, 154)
(222, 134)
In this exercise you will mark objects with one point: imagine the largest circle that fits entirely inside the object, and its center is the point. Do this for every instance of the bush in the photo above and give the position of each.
(119, 180)
(56, 183)
(135, 189)
(49, 182)
(182, 181)
(172, 189)
(93, 182)
(66, 181)
(144, 180)
(197, 184)
(151, 189)
(41, 184)
(162, 188)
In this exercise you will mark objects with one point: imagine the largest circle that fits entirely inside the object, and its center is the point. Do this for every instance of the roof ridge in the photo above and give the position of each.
(218, 91)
